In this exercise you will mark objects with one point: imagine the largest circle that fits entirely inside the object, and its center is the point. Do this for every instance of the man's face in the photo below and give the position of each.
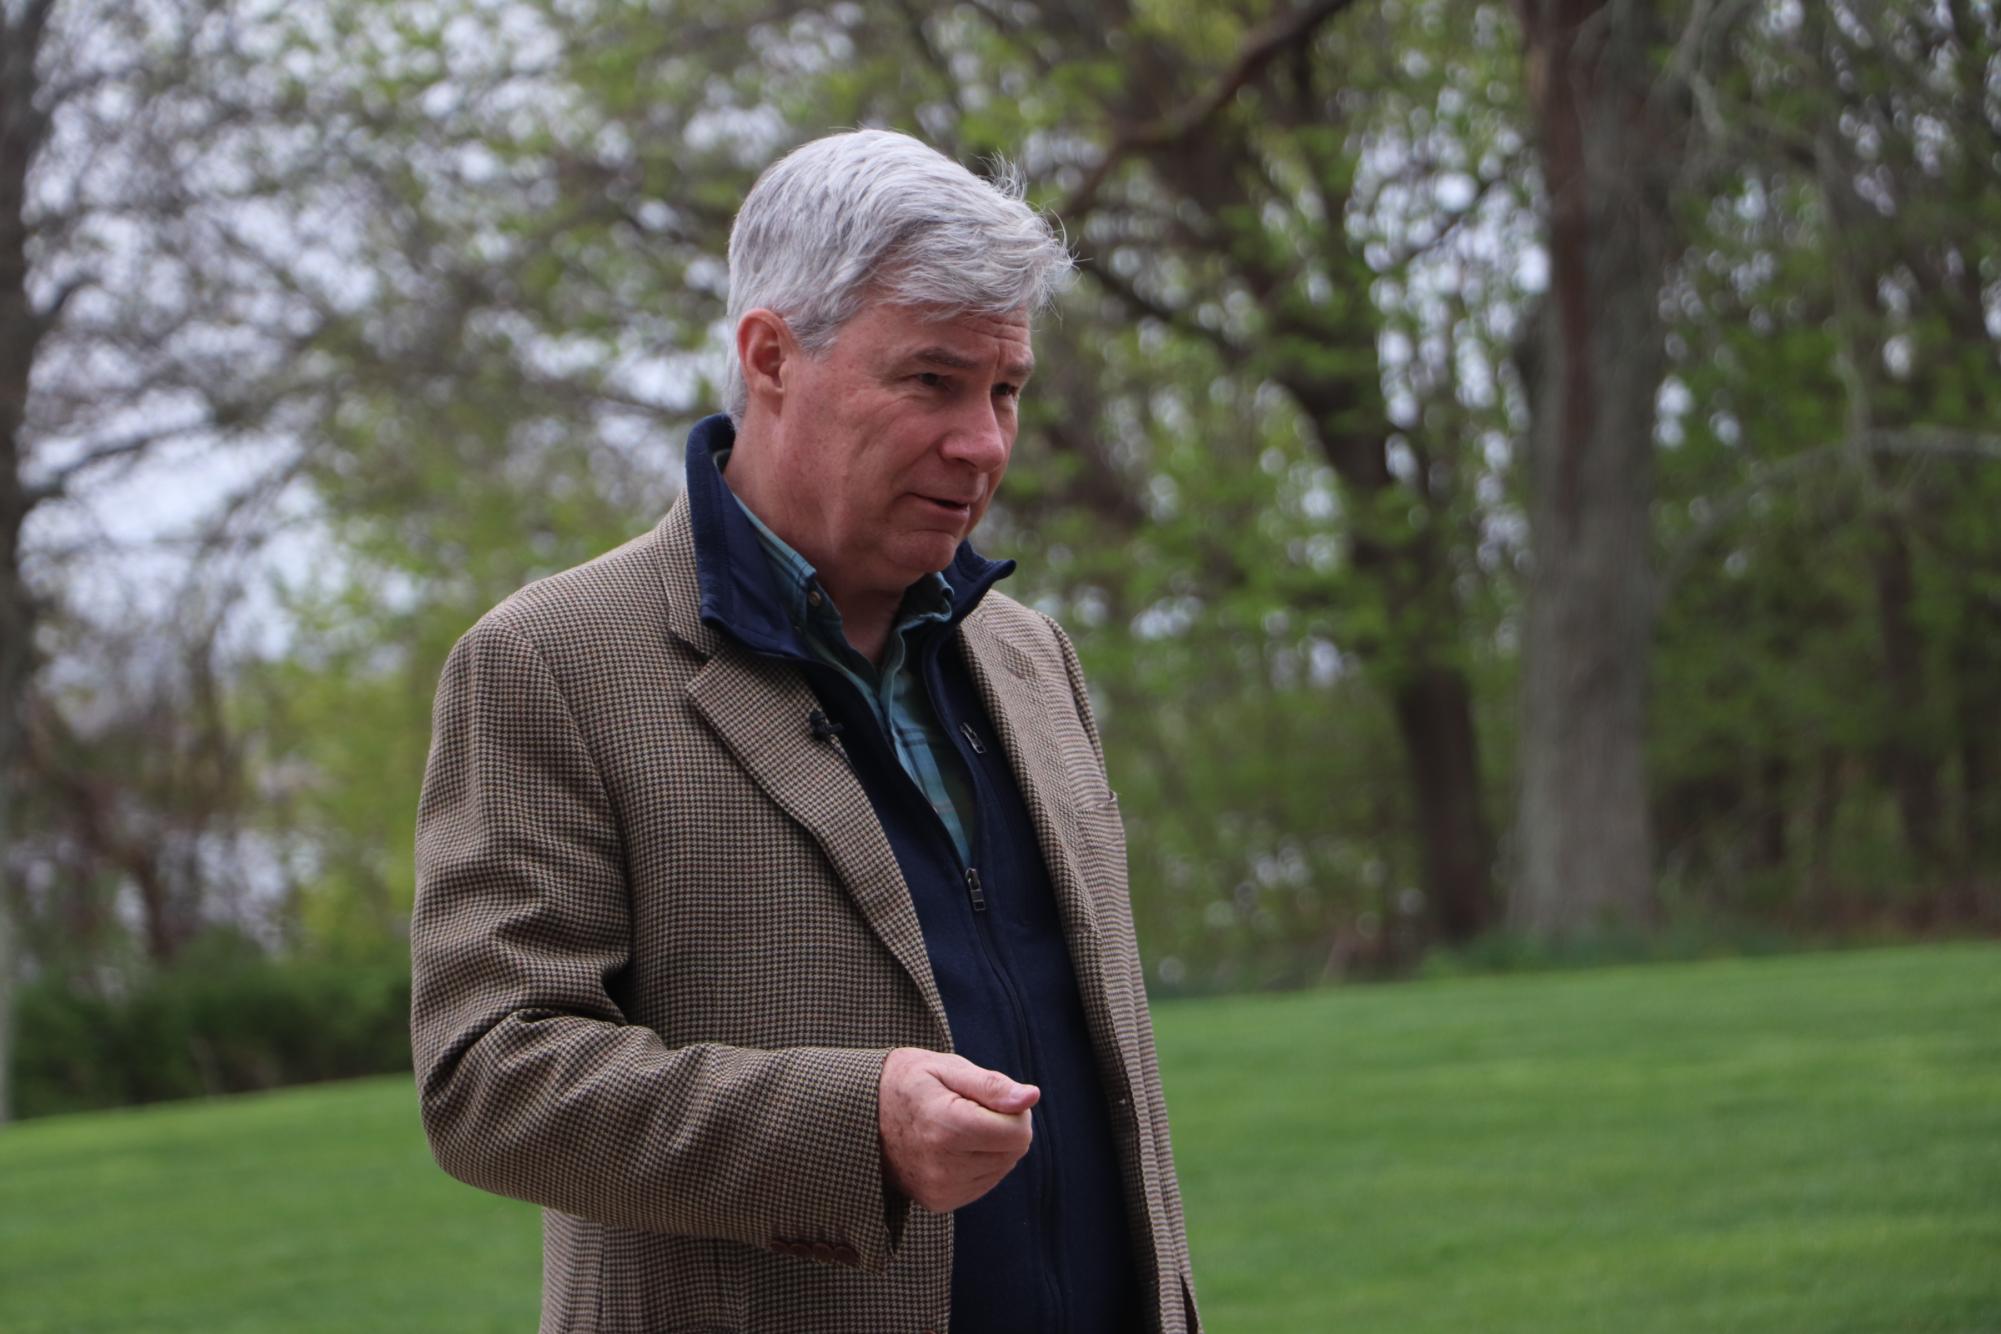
(895, 440)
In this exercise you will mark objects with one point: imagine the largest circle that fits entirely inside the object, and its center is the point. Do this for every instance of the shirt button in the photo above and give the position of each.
(813, 597)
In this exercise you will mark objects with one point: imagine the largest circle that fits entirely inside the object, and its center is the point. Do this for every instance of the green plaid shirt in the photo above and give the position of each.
(894, 693)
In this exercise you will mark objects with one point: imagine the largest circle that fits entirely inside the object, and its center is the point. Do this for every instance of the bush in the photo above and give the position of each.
(210, 1027)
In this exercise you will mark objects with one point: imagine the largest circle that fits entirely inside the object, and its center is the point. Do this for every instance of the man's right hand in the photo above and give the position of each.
(950, 1130)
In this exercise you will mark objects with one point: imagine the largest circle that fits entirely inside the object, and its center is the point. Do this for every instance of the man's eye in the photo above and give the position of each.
(931, 379)
(1008, 390)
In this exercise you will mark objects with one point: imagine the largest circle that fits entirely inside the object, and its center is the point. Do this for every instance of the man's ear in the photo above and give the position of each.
(766, 349)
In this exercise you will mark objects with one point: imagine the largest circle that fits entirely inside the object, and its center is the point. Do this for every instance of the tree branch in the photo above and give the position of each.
(1141, 304)
(61, 479)
(1260, 48)
(46, 317)
(914, 18)
(1916, 441)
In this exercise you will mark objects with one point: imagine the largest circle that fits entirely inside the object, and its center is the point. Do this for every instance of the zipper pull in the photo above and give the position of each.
(973, 890)
(972, 738)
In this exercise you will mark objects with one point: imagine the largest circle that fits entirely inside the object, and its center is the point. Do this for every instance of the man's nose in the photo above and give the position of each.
(981, 434)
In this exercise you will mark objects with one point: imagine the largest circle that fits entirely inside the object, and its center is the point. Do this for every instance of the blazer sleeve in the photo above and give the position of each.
(532, 1083)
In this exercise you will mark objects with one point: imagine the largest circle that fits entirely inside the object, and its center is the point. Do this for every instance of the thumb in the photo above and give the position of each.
(989, 1088)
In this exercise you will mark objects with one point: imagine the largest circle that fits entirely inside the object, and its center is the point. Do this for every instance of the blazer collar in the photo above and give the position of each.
(674, 551)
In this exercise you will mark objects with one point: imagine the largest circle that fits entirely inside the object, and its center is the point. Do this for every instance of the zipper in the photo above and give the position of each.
(987, 929)
(1052, 1284)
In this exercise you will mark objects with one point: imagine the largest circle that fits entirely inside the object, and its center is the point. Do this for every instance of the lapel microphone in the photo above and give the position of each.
(824, 728)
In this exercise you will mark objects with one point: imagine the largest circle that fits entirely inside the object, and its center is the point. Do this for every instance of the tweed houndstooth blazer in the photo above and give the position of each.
(661, 946)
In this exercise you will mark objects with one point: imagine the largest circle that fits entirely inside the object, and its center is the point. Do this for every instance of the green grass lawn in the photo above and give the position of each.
(1809, 1143)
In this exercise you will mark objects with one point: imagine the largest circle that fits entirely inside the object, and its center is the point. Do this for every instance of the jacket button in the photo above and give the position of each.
(847, 1255)
(822, 1252)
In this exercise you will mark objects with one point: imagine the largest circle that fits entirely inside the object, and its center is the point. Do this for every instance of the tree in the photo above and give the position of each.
(1833, 324)
(1613, 128)
(144, 312)
(1215, 201)
(588, 234)
(137, 787)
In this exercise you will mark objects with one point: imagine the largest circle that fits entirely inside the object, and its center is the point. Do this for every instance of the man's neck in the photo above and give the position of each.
(867, 615)
(866, 618)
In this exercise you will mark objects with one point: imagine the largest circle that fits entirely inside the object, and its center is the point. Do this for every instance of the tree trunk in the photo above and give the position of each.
(1416, 662)
(16, 627)
(1978, 707)
(1911, 767)
(1434, 711)
(1826, 809)
(23, 129)
(1608, 153)
(1769, 842)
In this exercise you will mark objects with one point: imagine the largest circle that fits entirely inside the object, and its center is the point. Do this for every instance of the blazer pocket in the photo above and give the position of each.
(663, 1283)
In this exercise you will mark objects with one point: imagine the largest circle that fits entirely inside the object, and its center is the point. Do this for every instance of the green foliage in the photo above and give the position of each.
(226, 1020)
(1823, 749)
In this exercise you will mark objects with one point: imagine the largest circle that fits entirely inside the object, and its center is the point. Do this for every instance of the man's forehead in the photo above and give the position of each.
(961, 340)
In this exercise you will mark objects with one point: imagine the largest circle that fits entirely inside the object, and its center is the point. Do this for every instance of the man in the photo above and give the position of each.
(771, 926)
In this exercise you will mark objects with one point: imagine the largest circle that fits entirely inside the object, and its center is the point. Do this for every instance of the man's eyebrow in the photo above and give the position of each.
(952, 361)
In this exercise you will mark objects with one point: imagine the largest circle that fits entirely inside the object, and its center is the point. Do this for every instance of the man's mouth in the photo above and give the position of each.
(959, 508)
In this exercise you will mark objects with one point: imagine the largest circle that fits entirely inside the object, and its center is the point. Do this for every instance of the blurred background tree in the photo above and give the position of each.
(155, 355)
(1514, 473)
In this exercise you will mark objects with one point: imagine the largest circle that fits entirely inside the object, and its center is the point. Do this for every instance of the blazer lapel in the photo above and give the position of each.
(759, 709)
(1013, 692)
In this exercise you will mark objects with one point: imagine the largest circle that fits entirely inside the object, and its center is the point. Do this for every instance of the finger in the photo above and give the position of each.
(971, 1128)
(955, 1178)
(1006, 1151)
(982, 1170)
(989, 1088)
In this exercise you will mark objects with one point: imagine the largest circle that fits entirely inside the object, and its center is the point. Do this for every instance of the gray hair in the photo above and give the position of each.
(872, 214)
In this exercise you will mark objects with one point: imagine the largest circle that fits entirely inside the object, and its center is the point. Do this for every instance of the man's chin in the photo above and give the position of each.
(927, 554)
